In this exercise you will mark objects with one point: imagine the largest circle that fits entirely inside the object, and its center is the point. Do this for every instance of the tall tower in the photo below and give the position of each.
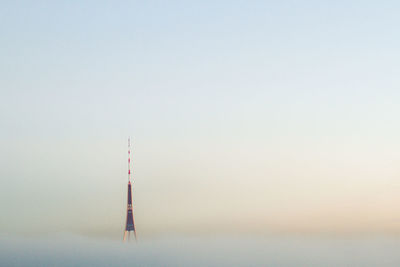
(130, 222)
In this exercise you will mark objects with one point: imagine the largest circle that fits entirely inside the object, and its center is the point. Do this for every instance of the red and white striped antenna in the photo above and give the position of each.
(129, 159)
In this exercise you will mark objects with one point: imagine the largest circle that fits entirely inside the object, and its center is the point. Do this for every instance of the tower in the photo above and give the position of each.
(130, 222)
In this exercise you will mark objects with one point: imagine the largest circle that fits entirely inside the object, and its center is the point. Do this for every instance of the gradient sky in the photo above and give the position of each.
(246, 116)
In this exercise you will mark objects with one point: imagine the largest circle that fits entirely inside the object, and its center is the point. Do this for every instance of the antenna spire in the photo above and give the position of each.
(129, 159)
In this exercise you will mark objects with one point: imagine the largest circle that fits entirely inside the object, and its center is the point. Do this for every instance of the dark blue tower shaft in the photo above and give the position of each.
(130, 224)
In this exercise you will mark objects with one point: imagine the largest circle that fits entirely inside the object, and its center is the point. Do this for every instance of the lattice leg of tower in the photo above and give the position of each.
(124, 236)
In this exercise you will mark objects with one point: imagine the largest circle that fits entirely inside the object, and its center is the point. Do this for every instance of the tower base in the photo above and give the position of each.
(128, 234)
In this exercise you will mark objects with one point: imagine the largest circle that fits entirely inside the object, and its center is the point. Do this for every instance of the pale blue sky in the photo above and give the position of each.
(260, 114)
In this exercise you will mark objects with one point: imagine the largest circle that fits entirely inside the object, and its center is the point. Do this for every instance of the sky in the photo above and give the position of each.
(247, 117)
